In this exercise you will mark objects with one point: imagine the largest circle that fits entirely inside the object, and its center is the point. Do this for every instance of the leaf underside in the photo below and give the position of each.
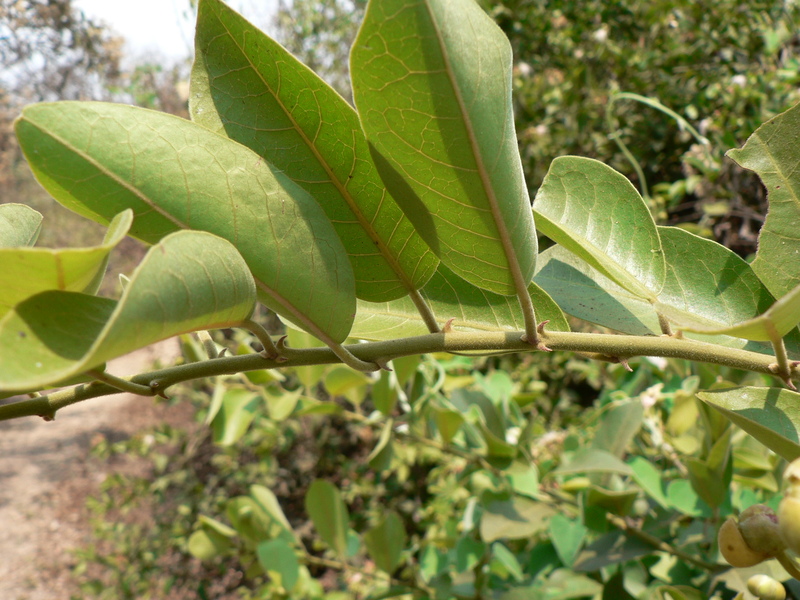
(99, 159)
(432, 85)
(249, 88)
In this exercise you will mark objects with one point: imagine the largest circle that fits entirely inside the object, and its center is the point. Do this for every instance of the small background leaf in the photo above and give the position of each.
(771, 415)
(385, 542)
(329, 514)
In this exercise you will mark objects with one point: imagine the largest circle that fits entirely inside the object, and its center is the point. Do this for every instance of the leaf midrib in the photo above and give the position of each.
(508, 249)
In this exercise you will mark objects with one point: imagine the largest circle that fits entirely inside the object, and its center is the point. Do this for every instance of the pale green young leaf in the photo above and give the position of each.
(191, 280)
(28, 271)
(19, 225)
(98, 159)
(238, 409)
(329, 514)
(708, 288)
(386, 541)
(772, 153)
(451, 297)
(596, 213)
(432, 85)
(771, 415)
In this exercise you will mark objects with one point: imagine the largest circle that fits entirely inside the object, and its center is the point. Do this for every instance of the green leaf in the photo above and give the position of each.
(280, 562)
(771, 415)
(649, 479)
(329, 514)
(451, 297)
(386, 541)
(708, 288)
(505, 557)
(776, 322)
(191, 280)
(385, 392)
(28, 271)
(618, 426)
(583, 292)
(19, 225)
(592, 460)
(514, 519)
(567, 536)
(207, 545)
(269, 504)
(772, 153)
(597, 214)
(246, 86)
(432, 85)
(98, 159)
(610, 549)
(380, 458)
(238, 409)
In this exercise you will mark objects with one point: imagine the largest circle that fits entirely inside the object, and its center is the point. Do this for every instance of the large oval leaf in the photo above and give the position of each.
(595, 212)
(98, 159)
(451, 297)
(248, 87)
(708, 288)
(432, 84)
(772, 153)
(191, 280)
(19, 225)
(771, 415)
(28, 271)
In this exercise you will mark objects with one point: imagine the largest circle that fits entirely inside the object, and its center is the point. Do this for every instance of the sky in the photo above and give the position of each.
(162, 27)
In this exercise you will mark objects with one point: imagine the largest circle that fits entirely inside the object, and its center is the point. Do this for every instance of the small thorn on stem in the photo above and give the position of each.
(49, 417)
(281, 344)
(383, 364)
(624, 363)
(540, 327)
(448, 327)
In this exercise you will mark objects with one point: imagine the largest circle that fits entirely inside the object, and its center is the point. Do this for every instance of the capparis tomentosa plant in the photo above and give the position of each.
(405, 222)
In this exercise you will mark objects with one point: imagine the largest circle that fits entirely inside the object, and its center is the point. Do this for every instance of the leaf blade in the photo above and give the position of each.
(98, 159)
(431, 82)
(597, 214)
(28, 271)
(248, 87)
(57, 335)
(19, 225)
(771, 153)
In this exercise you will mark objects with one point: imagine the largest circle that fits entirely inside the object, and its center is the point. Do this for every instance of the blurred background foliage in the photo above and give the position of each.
(459, 477)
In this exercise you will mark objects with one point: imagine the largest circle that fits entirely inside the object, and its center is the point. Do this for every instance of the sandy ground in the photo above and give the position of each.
(44, 481)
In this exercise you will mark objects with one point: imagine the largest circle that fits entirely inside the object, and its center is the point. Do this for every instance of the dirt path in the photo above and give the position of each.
(43, 470)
